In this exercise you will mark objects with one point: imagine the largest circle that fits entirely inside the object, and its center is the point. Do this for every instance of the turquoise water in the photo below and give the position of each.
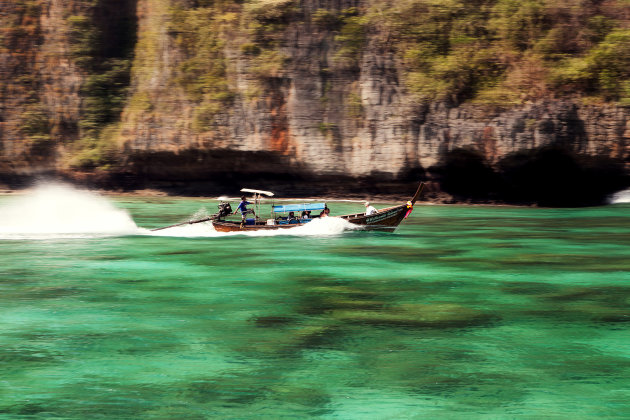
(465, 312)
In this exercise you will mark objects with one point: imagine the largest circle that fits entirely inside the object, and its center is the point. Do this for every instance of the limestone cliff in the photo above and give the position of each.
(188, 90)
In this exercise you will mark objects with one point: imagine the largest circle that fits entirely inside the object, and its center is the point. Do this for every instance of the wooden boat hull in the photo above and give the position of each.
(230, 226)
(386, 220)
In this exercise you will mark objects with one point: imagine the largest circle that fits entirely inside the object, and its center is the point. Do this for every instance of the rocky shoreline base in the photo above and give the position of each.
(547, 176)
(376, 192)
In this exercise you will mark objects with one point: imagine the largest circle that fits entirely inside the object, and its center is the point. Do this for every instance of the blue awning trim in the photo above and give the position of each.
(298, 207)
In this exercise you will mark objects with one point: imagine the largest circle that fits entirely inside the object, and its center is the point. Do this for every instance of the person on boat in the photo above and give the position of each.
(242, 207)
(325, 212)
(306, 214)
(291, 216)
(369, 209)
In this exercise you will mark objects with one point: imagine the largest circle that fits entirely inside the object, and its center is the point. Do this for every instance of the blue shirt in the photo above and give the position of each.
(242, 206)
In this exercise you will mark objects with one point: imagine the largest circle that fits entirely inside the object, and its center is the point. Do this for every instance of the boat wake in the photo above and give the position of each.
(318, 227)
(620, 197)
(60, 211)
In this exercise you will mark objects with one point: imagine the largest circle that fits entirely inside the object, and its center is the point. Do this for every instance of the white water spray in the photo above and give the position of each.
(328, 226)
(58, 210)
(620, 197)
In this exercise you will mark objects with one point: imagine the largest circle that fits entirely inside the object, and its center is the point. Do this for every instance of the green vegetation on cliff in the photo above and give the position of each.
(101, 45)
(496, 52)
(504, 52)
(198, 31)
(205, 31)
(492, 52)
(21, 31)
(351, 39)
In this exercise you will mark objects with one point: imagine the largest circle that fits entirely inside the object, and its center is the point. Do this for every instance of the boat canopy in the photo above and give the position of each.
(299, 207)
(249, 190)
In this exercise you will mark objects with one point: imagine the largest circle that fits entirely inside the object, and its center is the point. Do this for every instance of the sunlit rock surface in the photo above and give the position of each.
(298, 111)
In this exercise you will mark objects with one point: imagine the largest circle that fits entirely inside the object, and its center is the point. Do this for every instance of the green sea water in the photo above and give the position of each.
(464, 312)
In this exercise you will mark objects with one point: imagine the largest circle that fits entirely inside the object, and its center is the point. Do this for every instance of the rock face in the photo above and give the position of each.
(300, 105)
(595, 130)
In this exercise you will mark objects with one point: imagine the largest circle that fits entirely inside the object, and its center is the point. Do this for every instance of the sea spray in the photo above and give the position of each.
(620, 197)
(202, 213)
(195, 230)
(59, 210)
(318, 227)
(55, 210)
(326, 226)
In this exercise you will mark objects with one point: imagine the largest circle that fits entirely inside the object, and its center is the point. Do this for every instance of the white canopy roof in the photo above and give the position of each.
(267, 193)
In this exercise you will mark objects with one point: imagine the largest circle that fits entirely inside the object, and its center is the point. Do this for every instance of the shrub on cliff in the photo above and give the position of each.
(351, 38)
(35, 125)
(326, 19)
(270, 11)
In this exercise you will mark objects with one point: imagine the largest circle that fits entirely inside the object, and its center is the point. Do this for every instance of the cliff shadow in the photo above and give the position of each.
(195, 172)
(202, 172)
(550, 176)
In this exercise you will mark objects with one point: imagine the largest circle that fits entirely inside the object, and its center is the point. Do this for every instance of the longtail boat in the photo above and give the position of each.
(386, 219)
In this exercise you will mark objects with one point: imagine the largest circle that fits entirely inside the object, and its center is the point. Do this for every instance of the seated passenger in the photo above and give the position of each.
(291, 216)
(306, 214)
(369, 209)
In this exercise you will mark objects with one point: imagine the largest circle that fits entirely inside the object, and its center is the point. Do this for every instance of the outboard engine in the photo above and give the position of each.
(225, 209)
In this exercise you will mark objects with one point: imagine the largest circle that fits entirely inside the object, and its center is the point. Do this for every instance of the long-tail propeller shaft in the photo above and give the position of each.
(224, 210)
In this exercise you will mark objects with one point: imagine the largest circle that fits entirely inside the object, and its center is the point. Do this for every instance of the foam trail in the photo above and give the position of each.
(60, 211)
(324, 226)
(620, 197)
(56, 210)
(196, 230)
(318, 227)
